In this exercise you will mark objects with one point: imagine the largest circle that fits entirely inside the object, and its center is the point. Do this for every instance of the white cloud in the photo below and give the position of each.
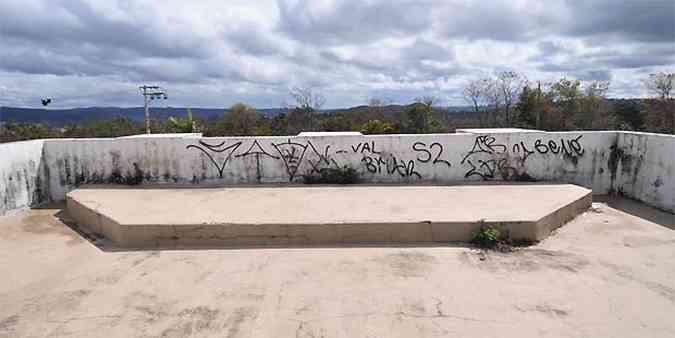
(214, 53)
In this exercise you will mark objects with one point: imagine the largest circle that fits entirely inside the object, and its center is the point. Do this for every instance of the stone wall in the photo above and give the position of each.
(630, 163)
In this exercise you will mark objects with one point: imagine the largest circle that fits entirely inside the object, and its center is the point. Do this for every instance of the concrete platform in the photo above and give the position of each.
(216, 217)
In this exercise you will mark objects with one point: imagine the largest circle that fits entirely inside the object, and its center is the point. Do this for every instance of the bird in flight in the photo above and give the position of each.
(45, 102)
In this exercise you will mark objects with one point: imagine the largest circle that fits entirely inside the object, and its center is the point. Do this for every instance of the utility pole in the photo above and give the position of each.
(538, 106)
(153, 92)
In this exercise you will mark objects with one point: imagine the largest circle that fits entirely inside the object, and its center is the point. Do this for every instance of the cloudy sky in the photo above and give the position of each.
(213, 53)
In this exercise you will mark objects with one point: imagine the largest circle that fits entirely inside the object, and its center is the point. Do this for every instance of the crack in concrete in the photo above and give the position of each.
(68, 320)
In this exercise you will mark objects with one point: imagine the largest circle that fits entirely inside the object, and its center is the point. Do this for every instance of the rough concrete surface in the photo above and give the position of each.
(608, 273)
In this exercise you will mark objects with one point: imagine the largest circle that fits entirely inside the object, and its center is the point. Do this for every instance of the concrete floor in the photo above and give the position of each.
(608, 273)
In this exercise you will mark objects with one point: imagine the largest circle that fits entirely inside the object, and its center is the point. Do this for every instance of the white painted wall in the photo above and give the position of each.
(646, 168)
(382, 158)
(22, 177)
(589, 159)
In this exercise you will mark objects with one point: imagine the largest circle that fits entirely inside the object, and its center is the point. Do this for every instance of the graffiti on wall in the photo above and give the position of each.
(255, 150)
(392, 166)
(434, 151)
(567, 147)
(486, 159)
(206, 148)
(489, 159)
(292, 153)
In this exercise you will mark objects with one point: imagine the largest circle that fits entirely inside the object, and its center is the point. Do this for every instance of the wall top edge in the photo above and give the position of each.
(24, 142)
(461, 134)
(638, 133)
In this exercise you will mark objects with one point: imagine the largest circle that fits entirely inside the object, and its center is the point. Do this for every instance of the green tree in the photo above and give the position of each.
(116, 127)
(526, 109)
(300, 119)
(26, 131)
(567, 94)
(533, 108)
(627, 114)
(419, 119)
(279, 124)
(241, 119)
(335, 122)
(377, 127)
(594, 107)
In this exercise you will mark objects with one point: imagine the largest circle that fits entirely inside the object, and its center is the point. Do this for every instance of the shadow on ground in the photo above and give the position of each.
(638, 209)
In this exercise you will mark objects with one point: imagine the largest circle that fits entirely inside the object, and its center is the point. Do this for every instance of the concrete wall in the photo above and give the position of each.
(603, 161)
(566, 157)
(645, 168)
(23, 178)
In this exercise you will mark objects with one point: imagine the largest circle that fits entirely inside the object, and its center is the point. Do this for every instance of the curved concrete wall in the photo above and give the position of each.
(638, 165)
(645, 168)
(23, 177)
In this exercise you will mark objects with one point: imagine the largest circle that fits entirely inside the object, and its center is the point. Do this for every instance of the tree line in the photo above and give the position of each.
(510, 100)
(507, 99)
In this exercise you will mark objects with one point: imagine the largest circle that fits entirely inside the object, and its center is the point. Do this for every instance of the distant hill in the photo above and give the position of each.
(61, 117)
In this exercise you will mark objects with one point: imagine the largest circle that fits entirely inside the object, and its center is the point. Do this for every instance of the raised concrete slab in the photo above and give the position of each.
(325, 215)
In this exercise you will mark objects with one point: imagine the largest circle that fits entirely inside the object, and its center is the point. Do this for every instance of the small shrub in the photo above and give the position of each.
(344, 175)
(487, 237)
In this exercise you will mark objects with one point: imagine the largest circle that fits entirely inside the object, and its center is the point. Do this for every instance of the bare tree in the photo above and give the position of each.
(594, 104)
(378, 102)
(661, 86)
(307, 101)
(473, 94)
(376, 109)
(306, 97)
(596, 88)
(509, 85)
(493, 99)
(428, 100)
(476, 93)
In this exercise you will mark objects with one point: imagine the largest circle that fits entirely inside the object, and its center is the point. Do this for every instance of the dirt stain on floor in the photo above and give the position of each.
(642, 241)
(192, 321)
(237, 319)
(408, 263)
(524, 260)
(545, 309)
(7, 324)
(46, 222)
(628, 274)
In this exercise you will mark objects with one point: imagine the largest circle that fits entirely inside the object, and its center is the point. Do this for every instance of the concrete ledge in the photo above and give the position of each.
(236, 217)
